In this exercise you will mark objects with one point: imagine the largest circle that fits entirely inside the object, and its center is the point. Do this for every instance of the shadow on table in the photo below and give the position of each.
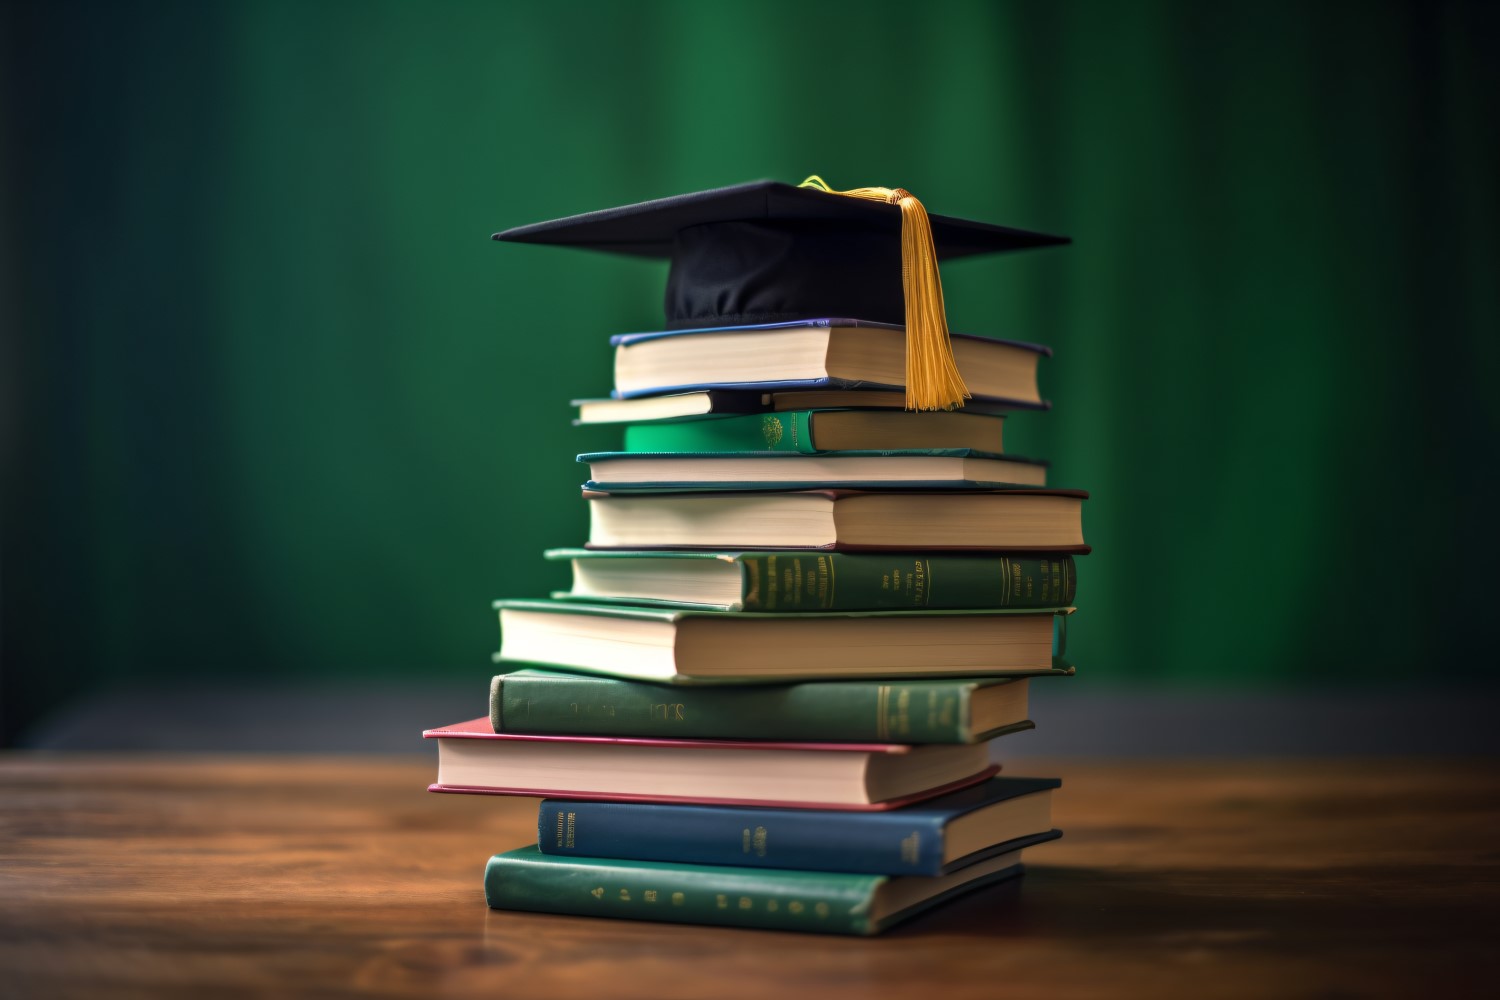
(1316, 910)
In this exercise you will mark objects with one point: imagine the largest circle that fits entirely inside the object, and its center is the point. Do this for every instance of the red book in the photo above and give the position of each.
(472, 758)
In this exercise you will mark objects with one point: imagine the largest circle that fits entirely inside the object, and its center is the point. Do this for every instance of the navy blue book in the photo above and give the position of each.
(934, 837)
(813, 354)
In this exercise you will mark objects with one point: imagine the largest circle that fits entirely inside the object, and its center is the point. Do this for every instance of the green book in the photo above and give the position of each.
(810, 432)
(819, 581)
(545, 702)
(675, 646)
(823, 902)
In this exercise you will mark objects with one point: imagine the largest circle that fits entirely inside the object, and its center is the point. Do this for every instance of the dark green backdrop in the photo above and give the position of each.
(275, 407)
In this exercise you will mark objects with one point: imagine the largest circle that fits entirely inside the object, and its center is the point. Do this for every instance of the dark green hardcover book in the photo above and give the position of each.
(545, 702)
(819, 581)
(810, 432)
(822, 902)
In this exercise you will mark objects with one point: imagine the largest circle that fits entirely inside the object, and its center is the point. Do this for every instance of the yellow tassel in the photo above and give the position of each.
(932, 378)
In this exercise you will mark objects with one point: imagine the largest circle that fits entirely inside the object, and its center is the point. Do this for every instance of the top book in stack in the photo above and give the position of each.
(822, 290)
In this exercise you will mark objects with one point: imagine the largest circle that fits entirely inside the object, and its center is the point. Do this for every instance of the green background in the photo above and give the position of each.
(275, 407)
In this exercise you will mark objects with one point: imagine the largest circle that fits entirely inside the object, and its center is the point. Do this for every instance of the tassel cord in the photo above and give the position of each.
(933, 381)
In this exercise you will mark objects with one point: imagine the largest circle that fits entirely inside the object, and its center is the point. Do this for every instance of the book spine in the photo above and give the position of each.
(756, 432)
(810, 840)
(736, 897)
(847, 711)
(827, 581)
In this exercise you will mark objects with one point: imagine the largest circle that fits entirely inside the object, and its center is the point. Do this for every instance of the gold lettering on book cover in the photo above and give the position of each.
(568, 839)
(911, 847)
(650, 895)
(772, 906)
(759, 841)
(678, 899)
(559, 828)
(903, 712)
(771, 429)
(795, 906)
(746, 902)
(597, 893)
(722, 901)
(745, 840)
(624, 895)
(752, 588)
(821, 909)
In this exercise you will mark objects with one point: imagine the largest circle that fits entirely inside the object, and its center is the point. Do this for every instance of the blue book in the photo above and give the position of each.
(814, 354)
(926, 468)
(934, 837)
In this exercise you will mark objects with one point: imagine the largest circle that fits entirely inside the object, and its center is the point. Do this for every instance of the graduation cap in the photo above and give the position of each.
(768, 252)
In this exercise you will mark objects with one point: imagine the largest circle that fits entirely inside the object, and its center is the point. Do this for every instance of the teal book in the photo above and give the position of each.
(907, 469)
(810, 432)
(962, 710)
(821, 902)
(678, 646)
(819, 581)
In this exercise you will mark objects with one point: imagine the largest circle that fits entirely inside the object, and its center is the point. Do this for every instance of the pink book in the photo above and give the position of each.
(474, 759)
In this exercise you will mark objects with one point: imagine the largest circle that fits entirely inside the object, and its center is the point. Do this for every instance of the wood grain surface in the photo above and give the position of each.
(250, 876)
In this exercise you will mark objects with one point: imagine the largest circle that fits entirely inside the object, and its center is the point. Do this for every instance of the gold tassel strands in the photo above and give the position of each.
(932, 378)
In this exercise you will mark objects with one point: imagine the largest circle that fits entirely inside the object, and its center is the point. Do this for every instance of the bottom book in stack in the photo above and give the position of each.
(817, 836)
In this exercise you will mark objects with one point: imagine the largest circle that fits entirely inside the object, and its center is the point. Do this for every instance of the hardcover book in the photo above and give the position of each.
(819, 581)
(942, 711)
(722, 402)
(1016, 520)
(622, 471)
(930, 838)
(677, 646)
(825, 902)
(473, 758)
(812, 354)
(809, 432)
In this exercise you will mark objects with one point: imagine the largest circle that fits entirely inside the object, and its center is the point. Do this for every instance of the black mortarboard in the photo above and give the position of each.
(768, 252)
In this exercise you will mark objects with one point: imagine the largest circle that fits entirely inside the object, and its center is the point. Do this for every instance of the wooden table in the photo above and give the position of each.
(163, 877)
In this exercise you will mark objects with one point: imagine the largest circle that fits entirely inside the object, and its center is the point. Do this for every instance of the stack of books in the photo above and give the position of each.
(803, 618)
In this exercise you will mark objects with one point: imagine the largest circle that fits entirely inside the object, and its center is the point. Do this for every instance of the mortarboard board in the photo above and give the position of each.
(768, 252)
